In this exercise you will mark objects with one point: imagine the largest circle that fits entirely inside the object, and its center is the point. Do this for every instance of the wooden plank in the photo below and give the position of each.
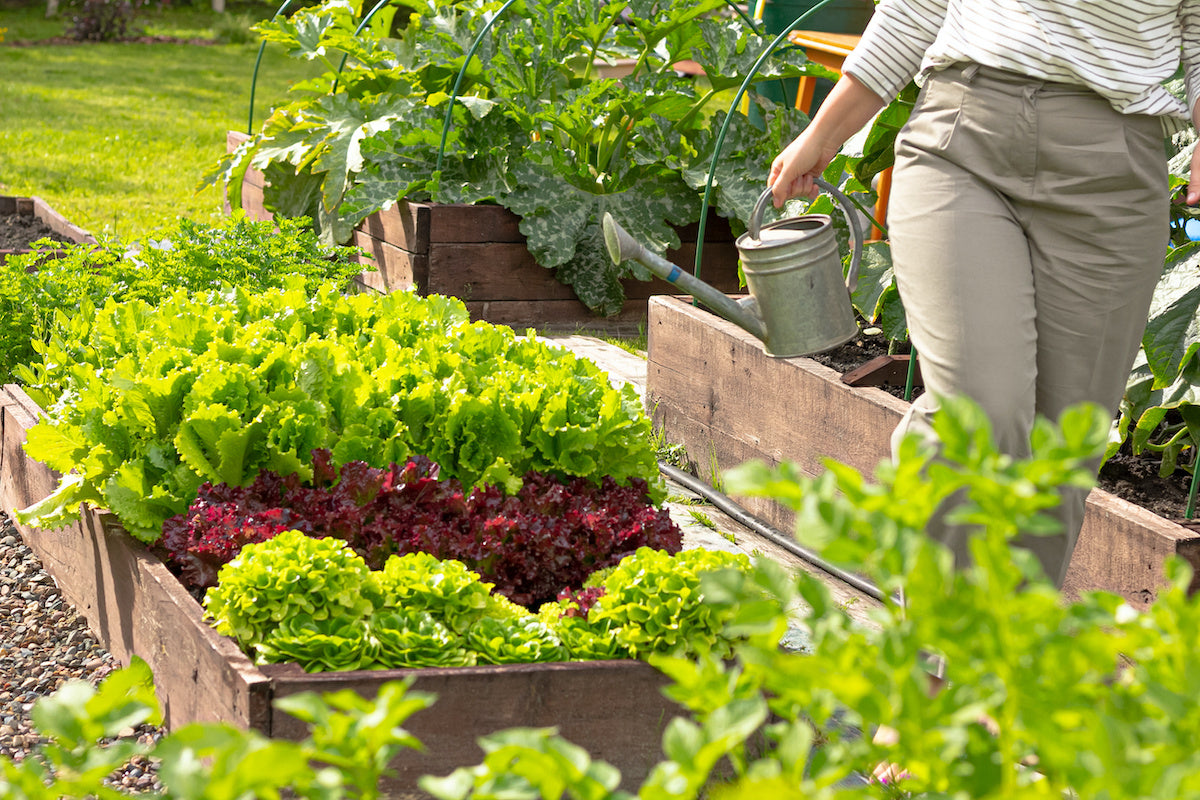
(252, 184)
(1122, 547)
(507, 271)
(396, 269)
(141, 609)
(615, 709)
(700, 367)
(405, 225)
(711, 387)
(560, 316)
(59, 224)
(22, 481)
(459, 223)
(491, 271)
(131, 602)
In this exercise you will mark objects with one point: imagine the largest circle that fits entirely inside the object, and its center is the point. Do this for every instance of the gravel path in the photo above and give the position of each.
(43, 643)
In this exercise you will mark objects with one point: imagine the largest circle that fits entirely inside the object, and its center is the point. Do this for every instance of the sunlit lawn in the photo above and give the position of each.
(116, 137)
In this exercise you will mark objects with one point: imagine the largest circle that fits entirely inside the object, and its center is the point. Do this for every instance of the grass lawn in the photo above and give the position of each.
(116, 137)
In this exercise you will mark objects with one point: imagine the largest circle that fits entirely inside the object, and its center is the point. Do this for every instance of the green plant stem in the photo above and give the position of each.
(1195, 485)
(687, 118)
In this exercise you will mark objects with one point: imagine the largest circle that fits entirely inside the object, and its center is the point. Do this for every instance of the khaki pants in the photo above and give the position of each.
(1028, 230)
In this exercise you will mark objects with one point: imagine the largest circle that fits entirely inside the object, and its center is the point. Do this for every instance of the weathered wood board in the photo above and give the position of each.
(712, 388)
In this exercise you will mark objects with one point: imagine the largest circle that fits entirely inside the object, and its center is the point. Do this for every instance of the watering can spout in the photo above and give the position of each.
(623, 247)
(800, 302)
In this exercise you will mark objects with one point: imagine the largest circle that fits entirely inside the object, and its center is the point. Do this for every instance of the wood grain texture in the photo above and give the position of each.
(615, 709)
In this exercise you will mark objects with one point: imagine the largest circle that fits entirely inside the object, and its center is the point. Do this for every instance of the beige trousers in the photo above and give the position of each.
(1028, 226)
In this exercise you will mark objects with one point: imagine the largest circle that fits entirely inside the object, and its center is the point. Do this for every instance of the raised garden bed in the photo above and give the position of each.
(477, 254)
(27, 212)
(135, 606)
(712, 388)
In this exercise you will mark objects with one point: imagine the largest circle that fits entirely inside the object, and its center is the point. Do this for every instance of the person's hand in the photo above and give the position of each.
(794, 170)
(847, 108)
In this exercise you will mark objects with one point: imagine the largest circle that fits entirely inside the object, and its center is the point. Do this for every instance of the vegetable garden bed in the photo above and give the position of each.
(136, 606)
(477, 253)
(35, 209)
(700, 366)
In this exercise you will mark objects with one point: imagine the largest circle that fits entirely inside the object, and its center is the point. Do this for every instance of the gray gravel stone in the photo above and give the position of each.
(43, 644)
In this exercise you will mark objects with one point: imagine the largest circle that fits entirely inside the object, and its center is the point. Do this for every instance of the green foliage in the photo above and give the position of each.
(515, 640)
(1089, 698)
(528, 764)
(294, 598)
(649, 603)
(53, 279)
(444, 588)
(353, 739)
(1160, 413)
(100, 20)
(533, 126)
(145, 403)
(653, 602)
(264, 587)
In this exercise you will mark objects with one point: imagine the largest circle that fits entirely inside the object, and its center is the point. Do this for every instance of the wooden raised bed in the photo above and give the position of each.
(135, 606)
(478, 254)
(36, 207)
(712, 388)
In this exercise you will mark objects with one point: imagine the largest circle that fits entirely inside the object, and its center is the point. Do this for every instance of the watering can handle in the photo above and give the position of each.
(848, 210)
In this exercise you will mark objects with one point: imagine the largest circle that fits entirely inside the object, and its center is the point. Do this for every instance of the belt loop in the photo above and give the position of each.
(970, 71)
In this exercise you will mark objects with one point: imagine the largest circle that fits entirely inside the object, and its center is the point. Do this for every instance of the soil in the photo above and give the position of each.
(18, 231)
(1132, 478)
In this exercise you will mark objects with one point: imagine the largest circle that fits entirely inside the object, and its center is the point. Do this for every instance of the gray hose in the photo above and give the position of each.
(743, 517)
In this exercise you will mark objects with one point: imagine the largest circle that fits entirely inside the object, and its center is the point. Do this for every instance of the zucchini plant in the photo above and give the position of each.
(533, 125)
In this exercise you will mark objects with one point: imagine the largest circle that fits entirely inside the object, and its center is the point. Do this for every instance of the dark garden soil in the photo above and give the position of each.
(18, 231)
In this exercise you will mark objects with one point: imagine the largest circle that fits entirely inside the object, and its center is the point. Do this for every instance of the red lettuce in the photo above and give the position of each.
(532, 545)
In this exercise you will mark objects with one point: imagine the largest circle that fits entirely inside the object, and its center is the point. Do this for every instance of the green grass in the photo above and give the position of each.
(116, 137)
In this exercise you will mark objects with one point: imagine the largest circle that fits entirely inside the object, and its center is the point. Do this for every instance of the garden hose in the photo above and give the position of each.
(775, 536)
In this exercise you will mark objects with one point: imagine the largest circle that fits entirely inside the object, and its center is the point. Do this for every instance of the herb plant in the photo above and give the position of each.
(53, 279)
(550, 535)
(144, 404)
(534, 126)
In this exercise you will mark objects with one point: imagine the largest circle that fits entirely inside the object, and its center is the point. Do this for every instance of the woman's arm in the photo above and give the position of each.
(1189, 19)
(886, 58)
(844, 112)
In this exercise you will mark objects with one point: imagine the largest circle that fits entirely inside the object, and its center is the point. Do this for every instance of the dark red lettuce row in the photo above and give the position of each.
(532, 545)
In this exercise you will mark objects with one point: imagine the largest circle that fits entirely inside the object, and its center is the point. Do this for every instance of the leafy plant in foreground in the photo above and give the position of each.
(53, 280)
(1089, 698)
(534, 128)
(144, 404)
(351, 738)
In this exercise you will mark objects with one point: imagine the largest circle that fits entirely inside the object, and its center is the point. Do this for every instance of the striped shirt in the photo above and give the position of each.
(1121, 49)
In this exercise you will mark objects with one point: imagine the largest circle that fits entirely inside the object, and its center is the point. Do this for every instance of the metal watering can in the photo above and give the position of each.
(798, 303)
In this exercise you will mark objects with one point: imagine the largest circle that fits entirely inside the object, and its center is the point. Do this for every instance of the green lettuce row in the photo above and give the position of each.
(144, 404)
(315, 602)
